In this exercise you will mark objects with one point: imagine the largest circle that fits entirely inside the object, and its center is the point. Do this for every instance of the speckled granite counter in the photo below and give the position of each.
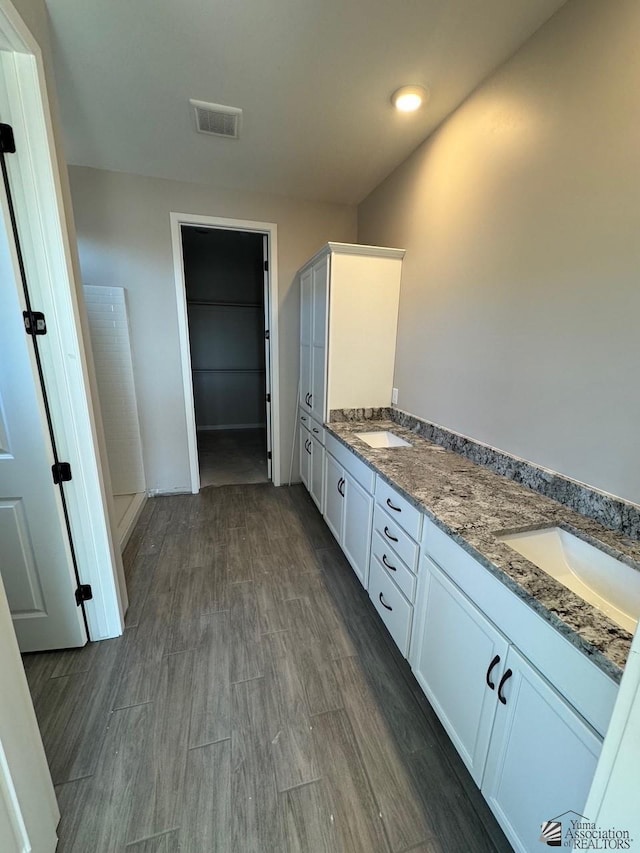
(474, 505)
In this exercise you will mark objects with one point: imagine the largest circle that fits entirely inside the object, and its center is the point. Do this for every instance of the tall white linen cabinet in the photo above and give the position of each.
(349, 297)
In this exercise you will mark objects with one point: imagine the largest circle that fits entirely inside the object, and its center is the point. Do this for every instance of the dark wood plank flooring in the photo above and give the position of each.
(254, 704)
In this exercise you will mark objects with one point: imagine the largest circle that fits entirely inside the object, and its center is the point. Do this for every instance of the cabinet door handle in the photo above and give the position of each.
(503, 680)
(309, 448)
(388, 565)
(315, 430)
(493, 663)
(340, 484)
(310, 398)
(383, 604)
(391, 506)
(388, 535)
(306, 399)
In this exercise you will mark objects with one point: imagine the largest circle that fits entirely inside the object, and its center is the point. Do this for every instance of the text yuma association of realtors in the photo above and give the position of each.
(584, 835)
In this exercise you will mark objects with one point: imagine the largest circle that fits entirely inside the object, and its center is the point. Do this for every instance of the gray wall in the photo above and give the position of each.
(520, 297)
(124, 239)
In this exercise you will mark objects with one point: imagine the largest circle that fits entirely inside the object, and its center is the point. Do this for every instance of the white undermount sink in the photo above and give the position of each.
(382, 438)
(598, 578)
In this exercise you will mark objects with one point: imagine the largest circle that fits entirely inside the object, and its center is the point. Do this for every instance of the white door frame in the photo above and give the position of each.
(40, 213)
(271, 230)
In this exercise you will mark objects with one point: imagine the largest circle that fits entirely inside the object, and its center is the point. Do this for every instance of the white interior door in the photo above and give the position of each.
(28, 810)
(35, 554)
(267, 348)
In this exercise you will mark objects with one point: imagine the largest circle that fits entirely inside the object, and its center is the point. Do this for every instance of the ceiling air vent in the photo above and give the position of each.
(216, 119)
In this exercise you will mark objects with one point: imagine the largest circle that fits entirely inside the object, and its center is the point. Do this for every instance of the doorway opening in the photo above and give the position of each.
(225, 287)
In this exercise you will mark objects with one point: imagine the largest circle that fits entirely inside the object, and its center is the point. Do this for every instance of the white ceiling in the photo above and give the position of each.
(313, 77)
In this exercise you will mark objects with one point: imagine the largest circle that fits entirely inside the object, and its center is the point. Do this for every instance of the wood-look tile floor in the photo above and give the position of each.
(232, 456)
(255, 703)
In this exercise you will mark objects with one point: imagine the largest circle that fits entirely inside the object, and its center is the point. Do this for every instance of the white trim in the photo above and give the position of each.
(616, 771)
(41, 220)
(129, 519)
(361, 249)
(353, 249)
(271, 230)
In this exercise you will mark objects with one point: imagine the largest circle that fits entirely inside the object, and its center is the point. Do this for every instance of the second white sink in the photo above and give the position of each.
(382, 438)
(598, 578)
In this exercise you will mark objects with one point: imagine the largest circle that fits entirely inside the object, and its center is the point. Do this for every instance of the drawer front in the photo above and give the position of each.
(393, 566)
(316, 429)
(350, 462)
(396, 537)
(395, 611)
(304, 418)
(399, 508)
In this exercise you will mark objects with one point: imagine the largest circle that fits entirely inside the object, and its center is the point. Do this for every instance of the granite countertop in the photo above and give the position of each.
(474, 506)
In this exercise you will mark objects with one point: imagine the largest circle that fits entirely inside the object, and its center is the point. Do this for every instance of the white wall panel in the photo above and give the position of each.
(109, 328)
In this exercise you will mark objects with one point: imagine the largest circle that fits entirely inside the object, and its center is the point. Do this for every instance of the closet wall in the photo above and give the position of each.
(225, 303)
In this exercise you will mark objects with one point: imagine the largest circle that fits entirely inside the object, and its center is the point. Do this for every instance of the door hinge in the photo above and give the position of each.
(34, 323)
(268, 398)
(266, 334)
(266, 266)
(7, 141)
(268, 454)
(83, 593)
(61, 472)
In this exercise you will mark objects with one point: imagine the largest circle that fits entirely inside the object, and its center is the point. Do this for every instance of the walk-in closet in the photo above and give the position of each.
(225, 289)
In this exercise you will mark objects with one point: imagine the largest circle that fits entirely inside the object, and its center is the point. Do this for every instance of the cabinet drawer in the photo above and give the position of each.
(392, 533)
(394, 609)
(304, 417)
(316, 429)
(350, 462)
(399, 508)
(393, 566)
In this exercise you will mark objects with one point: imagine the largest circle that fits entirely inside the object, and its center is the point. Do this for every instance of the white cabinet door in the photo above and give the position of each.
(356, 535)
(333, 496)
(305, 456)
(316, 472)
(306, 322)
(541, 760)
(458, 657)
(319, 339)
(306, 306)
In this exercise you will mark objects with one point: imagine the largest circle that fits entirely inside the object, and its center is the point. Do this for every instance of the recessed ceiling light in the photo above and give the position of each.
(408, 99)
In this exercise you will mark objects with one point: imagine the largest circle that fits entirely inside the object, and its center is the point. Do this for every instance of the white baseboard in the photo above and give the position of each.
(129, 519)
